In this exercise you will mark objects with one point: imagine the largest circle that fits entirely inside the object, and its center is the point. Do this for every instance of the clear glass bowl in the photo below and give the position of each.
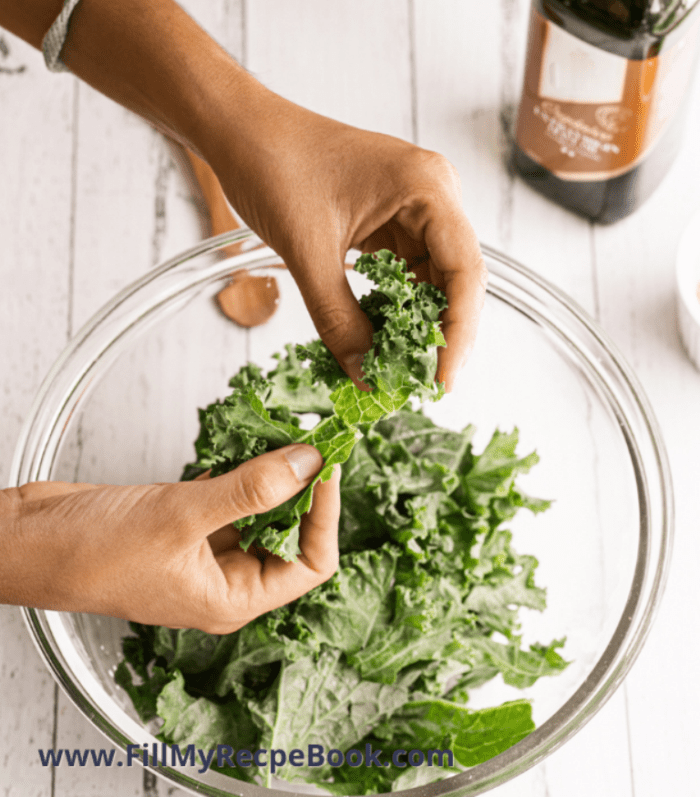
(119, 406)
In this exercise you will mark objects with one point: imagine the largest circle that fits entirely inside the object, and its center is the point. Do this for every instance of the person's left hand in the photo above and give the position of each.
(166, 554)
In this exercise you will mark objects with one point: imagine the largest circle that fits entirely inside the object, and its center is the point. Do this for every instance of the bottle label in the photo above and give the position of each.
(588, 114)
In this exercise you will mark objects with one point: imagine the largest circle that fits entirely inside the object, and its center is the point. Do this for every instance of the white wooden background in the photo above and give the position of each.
(90, 198)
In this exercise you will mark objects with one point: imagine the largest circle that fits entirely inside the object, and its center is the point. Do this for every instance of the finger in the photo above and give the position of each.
(335, 311)
(37, 491)
(456, 257)
(282, 581)
(253, 487)
(224, 539)
(318, 537)
(396, 238)
(456, 265)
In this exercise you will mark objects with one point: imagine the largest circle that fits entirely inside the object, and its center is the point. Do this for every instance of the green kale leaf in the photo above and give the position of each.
(425, 605)
(206, 724)
(320, 699)
(259, 415)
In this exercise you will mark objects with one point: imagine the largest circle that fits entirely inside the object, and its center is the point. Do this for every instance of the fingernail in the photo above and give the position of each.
(441, 377)
(352, 365)
(304, 461)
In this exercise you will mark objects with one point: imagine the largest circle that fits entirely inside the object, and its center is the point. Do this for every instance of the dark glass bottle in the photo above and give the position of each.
(603, 103)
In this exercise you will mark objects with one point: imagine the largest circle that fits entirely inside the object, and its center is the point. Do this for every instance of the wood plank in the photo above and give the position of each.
(322, 57)
(458, 86)
(469, 71)
(35, 226)
(121, 181)
(636, 273)
(36, 142)
(559, 245)
(134, 208)
(350, 61)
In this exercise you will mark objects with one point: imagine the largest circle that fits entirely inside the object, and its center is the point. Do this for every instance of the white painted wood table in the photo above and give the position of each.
(90, 198)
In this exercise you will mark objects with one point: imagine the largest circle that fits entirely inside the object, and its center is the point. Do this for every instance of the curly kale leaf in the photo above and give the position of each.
(422, 610)
(262, 413)
(424, 606)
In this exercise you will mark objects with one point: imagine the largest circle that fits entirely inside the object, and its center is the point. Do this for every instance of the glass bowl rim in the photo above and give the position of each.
(653, 556)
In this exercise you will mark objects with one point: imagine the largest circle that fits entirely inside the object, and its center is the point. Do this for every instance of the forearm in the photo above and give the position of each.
(150, 57)
(10, 547)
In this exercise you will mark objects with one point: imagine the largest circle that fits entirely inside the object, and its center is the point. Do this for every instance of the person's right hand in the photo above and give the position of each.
(166, 554)
(313, 188)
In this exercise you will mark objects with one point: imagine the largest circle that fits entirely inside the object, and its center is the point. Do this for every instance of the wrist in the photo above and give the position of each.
(34, 554)
(229, 118)
(23, 574)
(10, 579)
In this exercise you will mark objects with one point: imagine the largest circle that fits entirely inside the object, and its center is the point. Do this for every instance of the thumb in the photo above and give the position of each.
(335, 311)
(255, 486)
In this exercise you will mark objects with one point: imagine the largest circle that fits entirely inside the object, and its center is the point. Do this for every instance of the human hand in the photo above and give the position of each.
(166, 554)
(313, 188)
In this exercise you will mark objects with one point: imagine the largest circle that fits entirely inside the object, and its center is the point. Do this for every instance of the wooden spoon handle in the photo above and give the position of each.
(247, 300)
(221, 217)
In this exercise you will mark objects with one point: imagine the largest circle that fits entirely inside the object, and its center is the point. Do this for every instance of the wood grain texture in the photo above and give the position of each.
(36, 147)
(134, 208)
(353, 64)
(350, 61)
(636, 277)
(458, 101)
(466, 98)
(559, 246)
(92, 198)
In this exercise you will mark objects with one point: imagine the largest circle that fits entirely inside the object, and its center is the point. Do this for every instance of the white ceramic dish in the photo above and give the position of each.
(688, 289)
